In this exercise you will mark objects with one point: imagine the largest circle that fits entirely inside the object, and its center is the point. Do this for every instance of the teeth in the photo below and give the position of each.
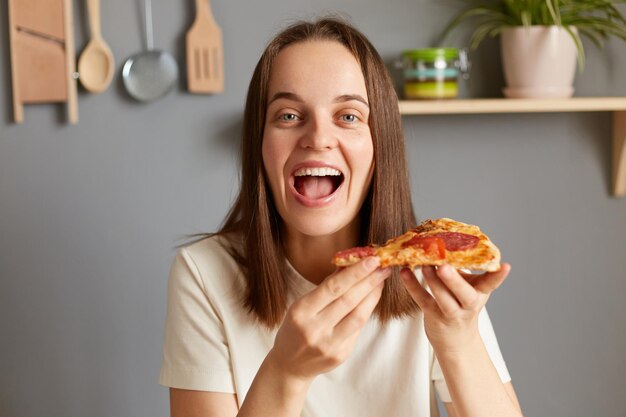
(317, 172)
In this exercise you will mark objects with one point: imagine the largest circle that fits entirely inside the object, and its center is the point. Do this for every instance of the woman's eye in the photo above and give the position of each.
(288, 117)
(350, 118)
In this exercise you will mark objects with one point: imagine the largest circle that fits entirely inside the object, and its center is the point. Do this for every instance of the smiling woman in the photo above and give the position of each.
(318, 124)
(259, 321)
(312, 82)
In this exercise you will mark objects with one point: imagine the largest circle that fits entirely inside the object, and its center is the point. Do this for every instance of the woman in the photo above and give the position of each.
(259, 322)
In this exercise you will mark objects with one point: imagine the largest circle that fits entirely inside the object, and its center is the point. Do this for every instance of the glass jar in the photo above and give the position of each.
(433, 73)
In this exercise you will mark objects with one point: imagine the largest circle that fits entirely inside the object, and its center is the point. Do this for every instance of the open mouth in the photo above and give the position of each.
(317, 183)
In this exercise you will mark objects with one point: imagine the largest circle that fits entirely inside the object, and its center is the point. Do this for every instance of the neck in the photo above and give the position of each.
(311, 255)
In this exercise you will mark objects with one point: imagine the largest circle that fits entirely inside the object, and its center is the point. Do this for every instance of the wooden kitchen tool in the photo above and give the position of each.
(205, 66)
(42, 55)
(96, 64)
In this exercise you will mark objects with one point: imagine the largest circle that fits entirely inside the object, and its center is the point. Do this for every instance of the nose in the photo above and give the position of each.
(319, 134)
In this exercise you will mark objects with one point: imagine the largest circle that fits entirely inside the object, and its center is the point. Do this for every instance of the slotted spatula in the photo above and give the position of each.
(205, 66)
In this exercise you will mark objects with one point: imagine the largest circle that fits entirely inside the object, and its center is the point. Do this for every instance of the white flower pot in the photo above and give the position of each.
(538, 62)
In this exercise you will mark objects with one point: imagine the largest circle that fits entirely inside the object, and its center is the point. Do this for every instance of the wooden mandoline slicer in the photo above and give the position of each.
(42, 55)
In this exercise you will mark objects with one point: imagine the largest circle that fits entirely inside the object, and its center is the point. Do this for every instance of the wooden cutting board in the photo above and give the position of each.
(42, 55)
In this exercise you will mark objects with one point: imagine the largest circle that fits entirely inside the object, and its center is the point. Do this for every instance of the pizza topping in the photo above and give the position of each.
(359, 252)
(457, 241)
(316, 183)
(433, 242)
(432, 245)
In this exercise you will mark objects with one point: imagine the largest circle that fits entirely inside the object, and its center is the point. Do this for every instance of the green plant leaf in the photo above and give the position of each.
(579, 47)
(553, 8)
(482, 31)
(596, 19)
(483, 13)
(593, 36)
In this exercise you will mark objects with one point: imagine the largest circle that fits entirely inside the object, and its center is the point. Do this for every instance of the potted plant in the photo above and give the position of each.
(540, 39)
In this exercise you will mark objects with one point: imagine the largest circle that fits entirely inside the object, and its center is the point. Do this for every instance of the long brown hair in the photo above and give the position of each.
(386, 212)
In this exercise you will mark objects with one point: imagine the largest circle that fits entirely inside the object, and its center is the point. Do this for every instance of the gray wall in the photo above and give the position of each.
(89, 215)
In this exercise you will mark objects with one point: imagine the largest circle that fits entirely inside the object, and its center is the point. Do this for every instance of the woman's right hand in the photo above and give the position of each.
(320, 329)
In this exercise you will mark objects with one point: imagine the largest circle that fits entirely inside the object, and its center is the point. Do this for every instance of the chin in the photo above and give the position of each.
(318, 224)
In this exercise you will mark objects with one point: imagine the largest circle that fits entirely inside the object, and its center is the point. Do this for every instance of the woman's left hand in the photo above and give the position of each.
(451, 312)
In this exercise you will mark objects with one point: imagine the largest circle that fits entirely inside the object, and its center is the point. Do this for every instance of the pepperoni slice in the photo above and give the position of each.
(432, 245)
(359, 252)
(457, 241)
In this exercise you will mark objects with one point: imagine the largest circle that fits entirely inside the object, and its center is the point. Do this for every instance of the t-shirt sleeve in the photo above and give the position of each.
(195, 350)
(489, 338)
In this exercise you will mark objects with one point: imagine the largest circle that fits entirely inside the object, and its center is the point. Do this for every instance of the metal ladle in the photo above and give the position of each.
(151, 73)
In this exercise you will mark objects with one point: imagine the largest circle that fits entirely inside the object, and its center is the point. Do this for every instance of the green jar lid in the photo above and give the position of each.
(431, 54)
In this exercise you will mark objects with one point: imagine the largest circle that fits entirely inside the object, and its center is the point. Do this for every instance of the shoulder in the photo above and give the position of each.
(212, 262)
(217, 251)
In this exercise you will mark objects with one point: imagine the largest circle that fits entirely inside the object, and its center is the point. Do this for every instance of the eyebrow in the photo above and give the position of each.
(350, 97)
(294, 97)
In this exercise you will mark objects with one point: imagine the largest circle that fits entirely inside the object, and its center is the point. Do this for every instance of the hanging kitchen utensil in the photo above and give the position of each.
(151, 73)
(96, 64)
(205, 66)
(42, 55)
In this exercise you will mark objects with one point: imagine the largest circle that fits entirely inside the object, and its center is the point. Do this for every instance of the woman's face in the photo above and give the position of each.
(317, 146)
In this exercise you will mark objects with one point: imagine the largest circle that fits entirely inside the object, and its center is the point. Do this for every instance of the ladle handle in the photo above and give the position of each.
(93, 9)
(147, 4)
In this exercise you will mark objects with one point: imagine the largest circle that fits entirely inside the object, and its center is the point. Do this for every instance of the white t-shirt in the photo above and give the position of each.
(213, 344)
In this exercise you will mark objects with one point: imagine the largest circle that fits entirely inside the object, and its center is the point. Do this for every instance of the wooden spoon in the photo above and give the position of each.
(96, 64)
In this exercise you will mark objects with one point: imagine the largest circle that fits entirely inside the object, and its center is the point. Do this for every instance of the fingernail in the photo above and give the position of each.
(385, 271)
(372, 262)
(381, 274)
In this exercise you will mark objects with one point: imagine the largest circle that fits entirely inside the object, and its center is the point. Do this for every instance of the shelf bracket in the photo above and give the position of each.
(619, 153)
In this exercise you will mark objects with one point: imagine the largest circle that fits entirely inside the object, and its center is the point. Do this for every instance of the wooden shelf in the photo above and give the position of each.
(615, 105)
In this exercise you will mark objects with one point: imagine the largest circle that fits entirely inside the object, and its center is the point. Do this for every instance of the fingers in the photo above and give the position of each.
(358, 317)
(457, 286)
(441, 299)
(453, 289)
(446, 301)
(338, 309)
(423, 299)
(492, 280)
(336, 285)
(471, 277)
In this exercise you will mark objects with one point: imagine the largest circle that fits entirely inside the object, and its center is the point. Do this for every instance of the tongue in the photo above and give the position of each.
(315, 187)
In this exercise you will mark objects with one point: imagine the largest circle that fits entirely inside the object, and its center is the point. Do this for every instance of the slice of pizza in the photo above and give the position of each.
(433, 242)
